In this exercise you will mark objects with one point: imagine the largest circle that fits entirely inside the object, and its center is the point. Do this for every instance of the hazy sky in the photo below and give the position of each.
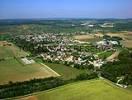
(65, 9)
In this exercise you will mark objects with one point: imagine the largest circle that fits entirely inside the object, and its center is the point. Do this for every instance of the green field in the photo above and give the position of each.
(66, 72)
(11, 51)
(129, 88)
(12, 68)
(85, 90)
(105, 54)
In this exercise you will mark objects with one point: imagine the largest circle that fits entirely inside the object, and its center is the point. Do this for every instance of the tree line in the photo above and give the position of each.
(23, 88)
(121, 68)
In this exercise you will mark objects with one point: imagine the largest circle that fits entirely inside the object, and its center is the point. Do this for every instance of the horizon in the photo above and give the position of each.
(66, 18)
(52, 9)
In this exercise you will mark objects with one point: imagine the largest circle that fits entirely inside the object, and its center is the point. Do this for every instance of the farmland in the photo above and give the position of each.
(15, 71)
(126, 36)
(88, 90)
(9, 51)
(50, 59)
(104, 55)
(12, 69)
(83, 37)
(66, 72)
(88, 37)
(127, 43)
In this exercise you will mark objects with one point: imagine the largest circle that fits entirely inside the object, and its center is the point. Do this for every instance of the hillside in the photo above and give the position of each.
(13, 69)
(88, 90)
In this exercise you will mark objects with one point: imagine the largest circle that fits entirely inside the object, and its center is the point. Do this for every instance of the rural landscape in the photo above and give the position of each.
(65, 58)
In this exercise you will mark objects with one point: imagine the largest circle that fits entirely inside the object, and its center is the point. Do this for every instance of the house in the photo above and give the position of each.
(97, 63)
(114, 42)
(106, 44)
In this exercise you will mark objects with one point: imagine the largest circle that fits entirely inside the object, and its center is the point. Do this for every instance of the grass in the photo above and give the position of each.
(5, 52)
(11, 51)
(12, 70)
(129, 88)
(66, 72)
(106, 54)
(85, 90)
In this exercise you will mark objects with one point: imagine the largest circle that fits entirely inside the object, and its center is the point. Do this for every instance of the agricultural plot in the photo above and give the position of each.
(105, 54)
(86, 90)
(127, 43)
(129, 88)
(66, 72)
(10, 51)
(88, 38)
(5, 53)
(83, 37)
(12, 68)
(126, 36)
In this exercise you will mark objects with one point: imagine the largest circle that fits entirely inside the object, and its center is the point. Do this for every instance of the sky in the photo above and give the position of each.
(12, 9)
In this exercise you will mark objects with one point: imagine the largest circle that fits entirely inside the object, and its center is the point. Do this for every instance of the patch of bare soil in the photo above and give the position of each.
(29, 98)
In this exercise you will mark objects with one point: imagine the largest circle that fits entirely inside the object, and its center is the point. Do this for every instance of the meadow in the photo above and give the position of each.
(9, 51)
(105, 54)
(84, 90)
(66, 72)
(13, 69)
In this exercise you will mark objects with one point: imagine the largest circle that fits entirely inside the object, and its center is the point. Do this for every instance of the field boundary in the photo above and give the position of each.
(36, 93)
(50, 69)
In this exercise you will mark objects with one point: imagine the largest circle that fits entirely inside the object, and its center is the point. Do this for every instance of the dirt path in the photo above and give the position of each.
(29, 98)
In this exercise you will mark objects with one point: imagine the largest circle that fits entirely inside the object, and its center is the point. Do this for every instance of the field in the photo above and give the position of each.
(88, 37)
(104, 54)
(127, 43)
(66, 72)
(12, 69)
(9, 51)
(85, 90)
(113, 56)
(129, 88)
(126, 36)
(83, 37)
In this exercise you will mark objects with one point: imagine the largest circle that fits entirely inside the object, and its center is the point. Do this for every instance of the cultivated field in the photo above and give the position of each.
(66, 72)
(9, 50)
(126, 36)
(127, 43)
(85, 90)
(88, 38)
(104, 54)
(12, 68)
(83, 37)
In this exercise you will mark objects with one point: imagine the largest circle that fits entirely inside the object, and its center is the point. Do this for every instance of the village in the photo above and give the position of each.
(64, 49)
